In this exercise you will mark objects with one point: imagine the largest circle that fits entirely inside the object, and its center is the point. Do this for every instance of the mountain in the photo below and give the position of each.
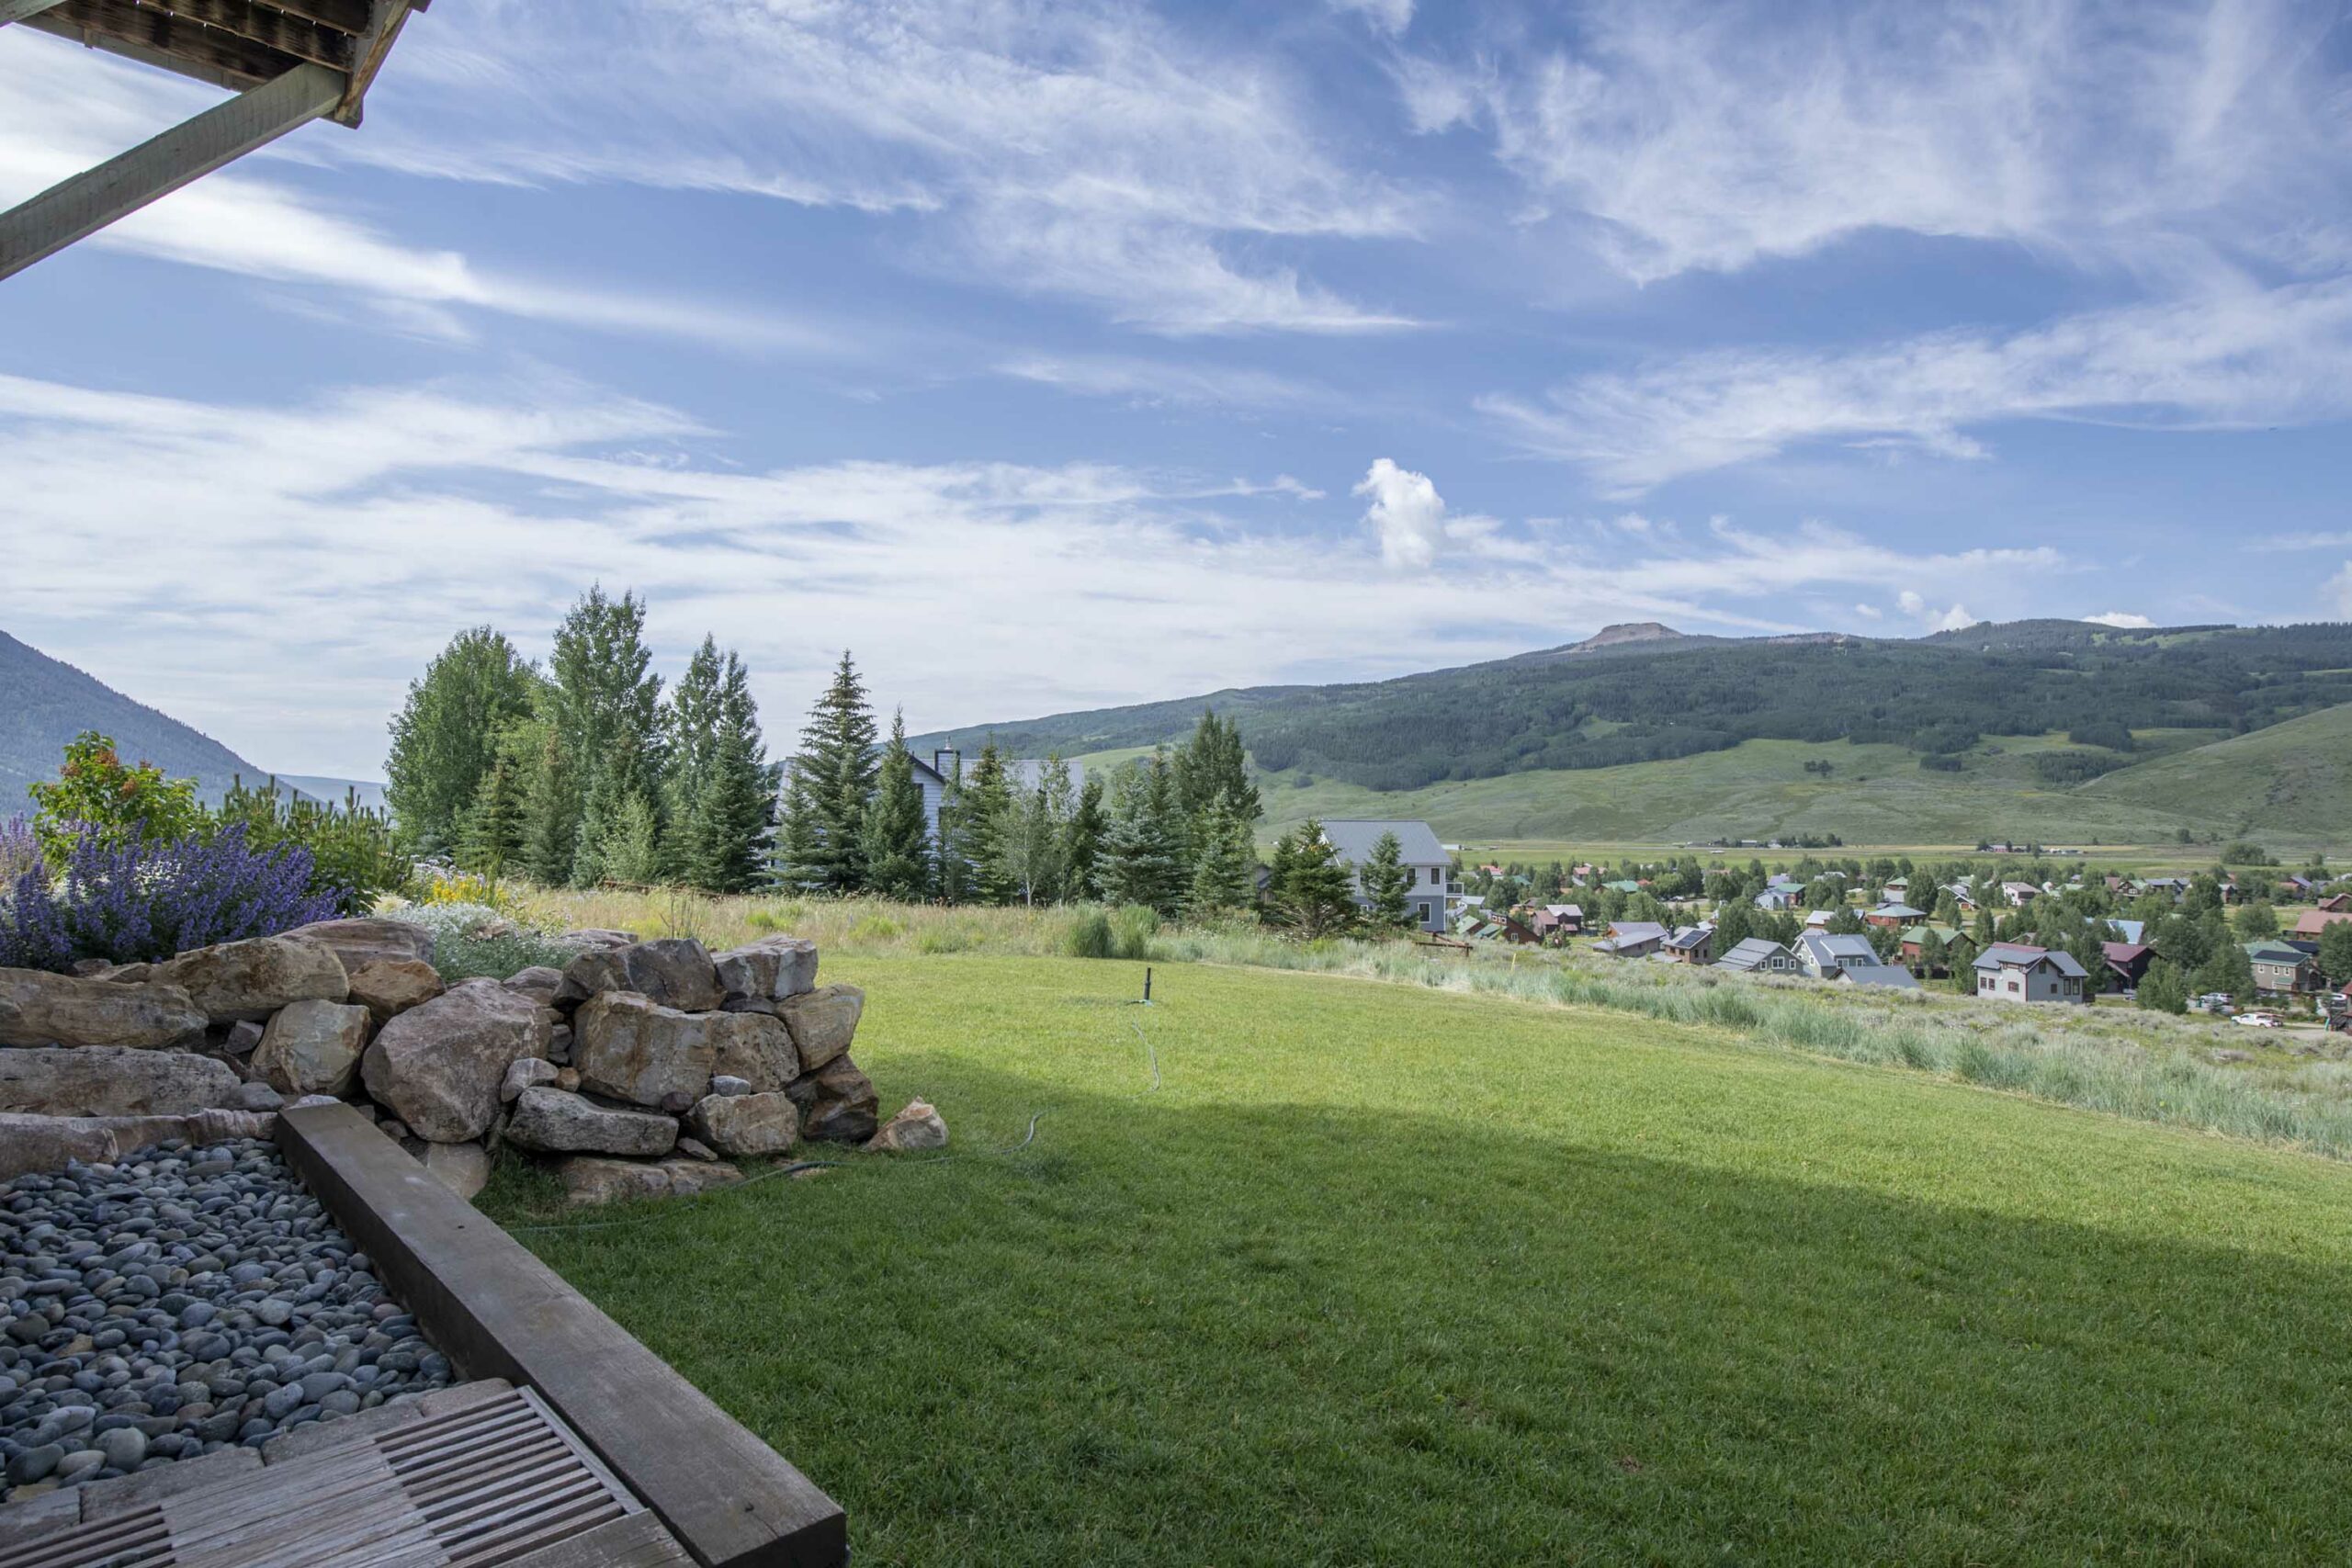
(335, 792)
(1987, 730)
(45, 702)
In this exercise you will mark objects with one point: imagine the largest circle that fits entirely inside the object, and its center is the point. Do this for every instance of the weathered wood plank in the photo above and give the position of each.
(342, 16)
(129, 1494)
(496, 1310)
(637, 1541)
(96, 197)
(17, 10)
(159, 30)
(265, 25)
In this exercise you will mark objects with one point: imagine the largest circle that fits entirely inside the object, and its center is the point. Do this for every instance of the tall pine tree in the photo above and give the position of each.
(716, 785)
(1314, 892)
(1145, 857)
(1082, 842)
(1384, 879)
(822, 844)
(981, 806)
(604, 708)
(898, 840)
(1224, 863)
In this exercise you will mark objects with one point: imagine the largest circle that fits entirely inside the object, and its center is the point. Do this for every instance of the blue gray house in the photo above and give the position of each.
(1425, 861)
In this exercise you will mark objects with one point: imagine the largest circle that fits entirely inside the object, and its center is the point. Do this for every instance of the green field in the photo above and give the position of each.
(2284, 787)
(1381, 1274)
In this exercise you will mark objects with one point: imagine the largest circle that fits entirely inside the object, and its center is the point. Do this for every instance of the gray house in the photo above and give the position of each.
(931, 778)
(1759, 955)
(2018, 972)
(1824, 957)
(1425, 861)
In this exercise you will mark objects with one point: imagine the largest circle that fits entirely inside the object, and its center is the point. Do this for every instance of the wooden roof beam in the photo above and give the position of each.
(90, 200)
(262, 25)
(17, 10)
(159, 38)
(344, 16)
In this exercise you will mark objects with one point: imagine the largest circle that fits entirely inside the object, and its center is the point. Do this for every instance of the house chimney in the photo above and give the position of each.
(944, 761)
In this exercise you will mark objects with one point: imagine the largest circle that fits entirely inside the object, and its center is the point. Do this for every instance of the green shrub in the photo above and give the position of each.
(476, 941)
(98, 796)
(352, 856)
(1132, 928)
(1090, 936)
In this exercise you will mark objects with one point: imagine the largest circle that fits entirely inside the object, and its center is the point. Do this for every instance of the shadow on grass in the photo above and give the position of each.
(1187, 1334)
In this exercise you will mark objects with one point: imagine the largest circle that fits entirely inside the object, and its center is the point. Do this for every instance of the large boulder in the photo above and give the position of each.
(312, 1047)
(633, 1048)
(552, 1121)
(919, 1126)
(371, 940)
(746, 1124)
(822, 1022)
(676, 971)
(769, 970)
(40, 1009)
(438, 1066)
(753, 1047)
(589, 1179)
(837, 1103)
(256, 978)
(540, 982)
(388, 987)
(582, 937)
(48, 1142)
(111, 1081)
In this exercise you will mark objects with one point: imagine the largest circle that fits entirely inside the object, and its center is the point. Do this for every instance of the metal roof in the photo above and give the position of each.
(1353, 837)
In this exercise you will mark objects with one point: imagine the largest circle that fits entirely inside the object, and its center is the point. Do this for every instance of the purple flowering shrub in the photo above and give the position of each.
(142, 901)
(19, 849)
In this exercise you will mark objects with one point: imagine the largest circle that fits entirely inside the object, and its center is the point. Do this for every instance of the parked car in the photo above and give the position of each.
(2259, 1020)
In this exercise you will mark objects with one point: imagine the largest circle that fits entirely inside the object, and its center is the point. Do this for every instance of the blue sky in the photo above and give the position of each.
(1056, 355)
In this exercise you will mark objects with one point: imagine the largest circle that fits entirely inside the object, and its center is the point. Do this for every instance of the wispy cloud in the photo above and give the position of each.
(1086, 151)
(1705, 135)
(2227, 361)
(63, 109)
(1151, 382)
(300, 562)
(2123, 620)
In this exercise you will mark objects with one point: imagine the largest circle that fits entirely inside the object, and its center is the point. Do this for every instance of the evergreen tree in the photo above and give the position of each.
(951, 862)
(1735, 923)
(1212, 766)
(446, 735)
(620, 827)
(1144, 859)
(1225, 865)
(716, 786)
(1082, 842)
(689, 748)
(605, 707)
(831, 780)
(1032, 836)
(1316, 894)
(2227, 969)
(983, 807)
(1384, 879)
(496, 823)
(550, 808)
(2256, 920)
(898, 840)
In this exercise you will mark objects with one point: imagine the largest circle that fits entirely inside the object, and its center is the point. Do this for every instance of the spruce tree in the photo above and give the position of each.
(1212, 766)
(733, 809)
(898, 838)
(1224, 863)
(446, 735)
(605, 707)
(551, 809)
(1317, 893)
(689, 747)
(1144, 859)
(1082, 842)
(1735, 923)
(981, 806)
(494, 834)
(1384, 879)
(831, 780)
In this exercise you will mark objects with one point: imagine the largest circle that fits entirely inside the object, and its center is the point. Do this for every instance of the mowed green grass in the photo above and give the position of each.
(1377, 1275)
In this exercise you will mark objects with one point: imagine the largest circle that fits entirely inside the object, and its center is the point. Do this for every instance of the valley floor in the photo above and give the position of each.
(1370, 1273)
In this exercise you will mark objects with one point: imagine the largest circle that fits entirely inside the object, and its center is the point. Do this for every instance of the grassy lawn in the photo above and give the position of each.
(1387, 1275)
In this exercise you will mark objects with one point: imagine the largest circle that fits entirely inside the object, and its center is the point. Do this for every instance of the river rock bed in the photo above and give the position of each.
(185, 1298)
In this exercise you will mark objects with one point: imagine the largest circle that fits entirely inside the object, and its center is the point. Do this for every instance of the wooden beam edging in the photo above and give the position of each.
(498, 1312)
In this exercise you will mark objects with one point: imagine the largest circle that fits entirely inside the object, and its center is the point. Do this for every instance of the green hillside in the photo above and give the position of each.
(44, 702)
(2289, 783)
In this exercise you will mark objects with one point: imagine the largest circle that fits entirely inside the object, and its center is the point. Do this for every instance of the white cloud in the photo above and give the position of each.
(1085, 149)
(63, 109)
(1388, 16)
(2227, 360)
(1915, 604)
(1697, 134)
(1956, 618)
(298, 563)
(1150, 383)
(1406, 513)
(2337, 593)
(1911, 603)
(1870, 612)
(2123, 620)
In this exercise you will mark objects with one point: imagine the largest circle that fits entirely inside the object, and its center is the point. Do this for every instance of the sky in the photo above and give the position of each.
(1054, 356)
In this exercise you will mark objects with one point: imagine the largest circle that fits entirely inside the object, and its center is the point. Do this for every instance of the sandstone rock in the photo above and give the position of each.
(744, 1125)
(919, 1126)
(540, 982)
(256, 978)
(394, 1129)
(463, 1169)
(676, 971)
(568, 1079)
(90, 968)
(769, 970)
(107, 1081)
(588, 937)
(368, 938)
(40, 1009)
(694, 1148)
(688, 1177)
(753, 1047)
(438, 1066)
(552, 1121)
(47, 1142)
(837, 1103)
(527, 1072)
(589, 1179)
(312, 1047)
(389, 986)
(242, 1038)
(822, 1022)
(634, 1049)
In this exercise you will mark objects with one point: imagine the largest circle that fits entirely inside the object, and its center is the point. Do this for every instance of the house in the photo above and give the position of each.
(1557, 920)
(1631, 939)
(1898, 887)
(2337, 903)
(2311, 923)
(1963, 895)
(1956, 945)
(1691, 944)
(1778, 900)
(2015, 971)
(1889, 977)
(1895, 917)
(2127, 961)
(1503, 928)
(2283, 968)
(1425, 861)
(2020, 894)
(2133, 931)
(1759, 955)
(1627, 888)
(1825, 956)
(937, 776)
(2173, 887)
(1818, 919)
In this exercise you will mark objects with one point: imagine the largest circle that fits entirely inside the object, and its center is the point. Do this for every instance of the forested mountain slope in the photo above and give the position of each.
(1649, 693)
(45, 702)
